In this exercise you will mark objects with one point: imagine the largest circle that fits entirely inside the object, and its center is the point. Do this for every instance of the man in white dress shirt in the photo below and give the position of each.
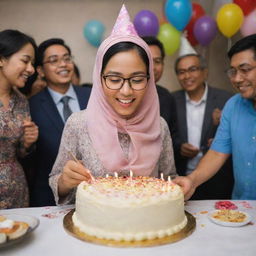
(198, 109)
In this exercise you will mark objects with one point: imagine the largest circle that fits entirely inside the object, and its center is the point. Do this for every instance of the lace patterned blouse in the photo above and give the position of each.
(75, 138)
(13, 185)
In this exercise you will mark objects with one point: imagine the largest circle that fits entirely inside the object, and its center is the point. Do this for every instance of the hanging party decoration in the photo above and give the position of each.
(229, 19)
(93, 32)
(146, 23)
(249, 25)
(205, 29)
(178, 13)
(247, 6)
(197, 12)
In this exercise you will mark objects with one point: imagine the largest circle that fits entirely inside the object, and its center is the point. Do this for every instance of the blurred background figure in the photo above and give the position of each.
(76, 76)
(166, 100)
(34, 85)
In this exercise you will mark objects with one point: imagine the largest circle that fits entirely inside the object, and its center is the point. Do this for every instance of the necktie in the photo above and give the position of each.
(66, 109)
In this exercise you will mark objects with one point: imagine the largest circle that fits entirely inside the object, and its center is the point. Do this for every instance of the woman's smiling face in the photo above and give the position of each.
(16, 69)
(125, 101)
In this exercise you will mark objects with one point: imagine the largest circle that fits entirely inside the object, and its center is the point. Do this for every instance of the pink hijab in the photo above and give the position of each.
(104, 123)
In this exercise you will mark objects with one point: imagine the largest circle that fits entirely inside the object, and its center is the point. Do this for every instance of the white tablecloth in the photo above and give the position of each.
(50, 238)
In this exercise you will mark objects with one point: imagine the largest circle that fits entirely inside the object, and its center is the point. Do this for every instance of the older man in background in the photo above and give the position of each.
(198, 108)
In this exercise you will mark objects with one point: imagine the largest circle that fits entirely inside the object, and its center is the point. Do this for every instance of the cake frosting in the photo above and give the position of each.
(129, 209)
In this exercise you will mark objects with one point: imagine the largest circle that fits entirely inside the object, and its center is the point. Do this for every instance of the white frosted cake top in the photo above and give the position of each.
(127, 190)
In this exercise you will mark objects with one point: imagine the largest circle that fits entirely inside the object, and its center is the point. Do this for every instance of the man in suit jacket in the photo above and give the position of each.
(55, 65)
(166, 100)
(198, 112)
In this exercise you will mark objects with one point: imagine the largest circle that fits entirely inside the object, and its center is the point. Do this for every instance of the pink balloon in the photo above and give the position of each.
(249, 25)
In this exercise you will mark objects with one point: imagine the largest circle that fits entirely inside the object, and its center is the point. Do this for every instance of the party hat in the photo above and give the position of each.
(185, 47)
(123, 25)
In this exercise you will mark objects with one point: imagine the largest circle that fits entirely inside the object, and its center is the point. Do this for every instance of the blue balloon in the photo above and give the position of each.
(178, 13)
(93, 32)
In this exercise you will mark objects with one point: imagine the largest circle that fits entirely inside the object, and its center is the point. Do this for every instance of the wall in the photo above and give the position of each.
(44, 19)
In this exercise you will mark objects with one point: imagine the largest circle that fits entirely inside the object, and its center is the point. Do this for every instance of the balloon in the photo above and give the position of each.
(229, 19)
(246, 5)
(205, 29)
(163, 19)
(178, 12)
(191, 37)
(249, 25)
(146, 23)
(197, 12)
(170, 38)
(93, 32)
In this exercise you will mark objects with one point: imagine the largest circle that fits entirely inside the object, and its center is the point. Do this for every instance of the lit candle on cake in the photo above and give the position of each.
(162, 176)
(131, 174)
(169, 182)
(107, 175)
(130, 178)
(115, 174)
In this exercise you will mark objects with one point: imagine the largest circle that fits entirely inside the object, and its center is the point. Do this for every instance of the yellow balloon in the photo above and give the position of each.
(170, 38)
(229, 19)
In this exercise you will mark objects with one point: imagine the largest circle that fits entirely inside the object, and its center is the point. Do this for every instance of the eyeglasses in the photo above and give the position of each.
(115, 82)
(55, 61)
(243, 70)
(191, 70)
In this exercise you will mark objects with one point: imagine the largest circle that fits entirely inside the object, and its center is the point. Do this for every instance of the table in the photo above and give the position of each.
(208, 239)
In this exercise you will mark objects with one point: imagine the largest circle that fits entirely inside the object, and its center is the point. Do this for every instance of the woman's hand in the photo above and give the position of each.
(30, 135)
(186, 184)
(73, 174)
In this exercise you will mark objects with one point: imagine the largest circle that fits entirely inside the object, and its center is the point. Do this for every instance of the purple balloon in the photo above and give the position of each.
(146, 23)
(205, 29)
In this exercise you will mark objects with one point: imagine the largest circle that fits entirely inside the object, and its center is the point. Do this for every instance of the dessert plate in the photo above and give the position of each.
(30, 220)
(230, 218)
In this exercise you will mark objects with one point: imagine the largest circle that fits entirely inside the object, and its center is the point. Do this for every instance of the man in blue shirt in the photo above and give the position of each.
(236, 134)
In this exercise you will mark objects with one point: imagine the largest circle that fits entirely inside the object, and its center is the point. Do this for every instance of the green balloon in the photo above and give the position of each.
(170, 38)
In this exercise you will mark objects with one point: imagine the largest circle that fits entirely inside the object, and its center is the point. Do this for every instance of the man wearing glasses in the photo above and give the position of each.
(236, 134)
(198, 110)
(50, 109)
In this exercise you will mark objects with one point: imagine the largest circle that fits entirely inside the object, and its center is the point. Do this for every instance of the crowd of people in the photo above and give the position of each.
(203, 136)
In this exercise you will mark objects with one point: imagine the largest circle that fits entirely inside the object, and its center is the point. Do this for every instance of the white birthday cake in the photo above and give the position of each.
(129, 209)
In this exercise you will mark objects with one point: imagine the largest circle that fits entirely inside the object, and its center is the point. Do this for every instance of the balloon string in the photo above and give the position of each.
(204, 51)
(229, 43)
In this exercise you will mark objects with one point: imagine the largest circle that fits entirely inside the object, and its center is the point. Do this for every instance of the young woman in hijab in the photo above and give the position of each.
(121, 129)
(17, 132)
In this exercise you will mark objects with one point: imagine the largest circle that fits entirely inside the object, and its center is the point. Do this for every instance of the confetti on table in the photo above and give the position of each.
(225, 205)
(56, 214)
(245, 204)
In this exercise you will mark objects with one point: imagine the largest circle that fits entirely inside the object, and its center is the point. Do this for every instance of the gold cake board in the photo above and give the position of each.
(74, 231)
